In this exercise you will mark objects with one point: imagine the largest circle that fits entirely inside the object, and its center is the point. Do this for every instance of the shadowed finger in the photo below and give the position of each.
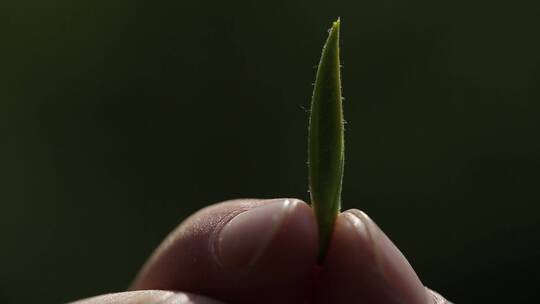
(364, 266)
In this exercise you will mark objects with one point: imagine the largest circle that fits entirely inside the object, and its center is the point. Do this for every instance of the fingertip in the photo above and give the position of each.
(285, 233)
(362, 263)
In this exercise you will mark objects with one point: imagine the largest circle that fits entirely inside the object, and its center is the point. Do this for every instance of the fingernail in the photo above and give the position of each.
(389, 263)
(244, 239)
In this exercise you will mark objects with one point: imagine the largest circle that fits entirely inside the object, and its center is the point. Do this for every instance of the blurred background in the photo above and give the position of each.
(120, 118)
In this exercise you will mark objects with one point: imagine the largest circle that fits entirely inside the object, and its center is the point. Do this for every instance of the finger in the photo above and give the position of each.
(243, 251)
(148, 297)
(364, 266)
(436, 298)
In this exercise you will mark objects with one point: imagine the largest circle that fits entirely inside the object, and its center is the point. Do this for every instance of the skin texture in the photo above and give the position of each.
(265, 251)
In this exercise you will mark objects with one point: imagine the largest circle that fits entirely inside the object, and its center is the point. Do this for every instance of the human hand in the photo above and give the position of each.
(264, 251)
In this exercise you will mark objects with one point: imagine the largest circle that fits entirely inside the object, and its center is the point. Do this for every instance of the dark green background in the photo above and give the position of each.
(120, 118)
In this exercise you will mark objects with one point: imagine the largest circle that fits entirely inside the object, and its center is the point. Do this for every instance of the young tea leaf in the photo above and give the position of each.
(326, 141)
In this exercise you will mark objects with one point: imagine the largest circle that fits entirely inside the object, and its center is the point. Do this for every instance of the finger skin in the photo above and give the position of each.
(169, 297)
(436, 298)
(187, 260)
(148, 297)
(363, 266)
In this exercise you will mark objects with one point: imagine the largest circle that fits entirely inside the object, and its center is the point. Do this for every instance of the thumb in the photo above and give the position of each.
(242, 251)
